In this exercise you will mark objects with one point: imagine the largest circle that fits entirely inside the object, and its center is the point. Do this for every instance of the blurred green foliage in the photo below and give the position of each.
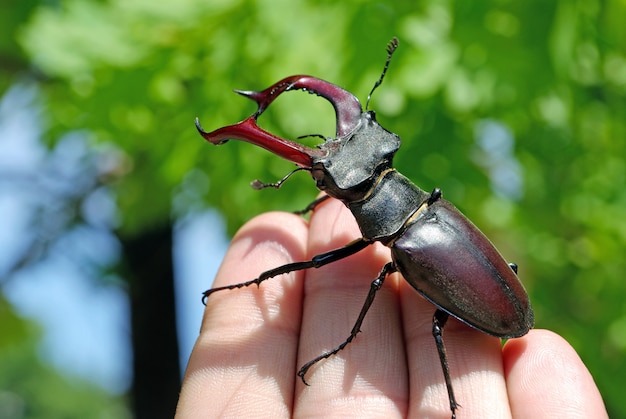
(544, 80)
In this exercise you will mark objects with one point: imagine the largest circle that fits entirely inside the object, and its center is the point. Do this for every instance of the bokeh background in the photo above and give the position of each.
(114, 213)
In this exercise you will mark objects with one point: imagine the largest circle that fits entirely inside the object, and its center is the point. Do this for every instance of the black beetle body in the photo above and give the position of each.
(441, 247)
(433, 245)
(437, 249)
(359, 173)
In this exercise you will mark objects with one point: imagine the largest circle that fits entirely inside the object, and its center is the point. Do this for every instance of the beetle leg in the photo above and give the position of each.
(312, 205)
(439, 321)
(434, 196)
(257, 184)
(388, 269)
(316, 262)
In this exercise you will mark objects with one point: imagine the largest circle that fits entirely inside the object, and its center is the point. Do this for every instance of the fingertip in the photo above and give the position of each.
(332, 225)
(546, 378)
(533, 347)
(249, 336)
(266, 241)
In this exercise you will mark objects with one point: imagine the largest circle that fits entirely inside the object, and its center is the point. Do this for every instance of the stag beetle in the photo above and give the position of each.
(435, 247)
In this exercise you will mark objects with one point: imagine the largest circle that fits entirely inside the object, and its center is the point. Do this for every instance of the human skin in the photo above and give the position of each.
(253, 341)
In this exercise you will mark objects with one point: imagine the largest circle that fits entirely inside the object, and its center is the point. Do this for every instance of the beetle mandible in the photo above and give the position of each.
(435, 247)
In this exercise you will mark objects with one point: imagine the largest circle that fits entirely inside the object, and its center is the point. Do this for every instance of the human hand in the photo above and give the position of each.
(253, 341)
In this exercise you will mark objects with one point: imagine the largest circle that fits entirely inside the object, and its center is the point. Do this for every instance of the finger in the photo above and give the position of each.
(244, 359)
(474, 359)
(368, 377)
(547, 378)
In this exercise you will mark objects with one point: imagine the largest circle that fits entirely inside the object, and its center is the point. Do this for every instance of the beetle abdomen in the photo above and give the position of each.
(453, 265)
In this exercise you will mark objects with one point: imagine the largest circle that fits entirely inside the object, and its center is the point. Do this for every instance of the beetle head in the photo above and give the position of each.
(345, 167)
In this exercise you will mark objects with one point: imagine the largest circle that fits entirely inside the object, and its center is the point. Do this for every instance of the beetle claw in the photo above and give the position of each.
(347, 109)
(248, 130)
(347, 106)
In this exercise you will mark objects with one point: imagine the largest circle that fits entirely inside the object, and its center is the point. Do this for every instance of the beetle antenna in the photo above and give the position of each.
(391, 48)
